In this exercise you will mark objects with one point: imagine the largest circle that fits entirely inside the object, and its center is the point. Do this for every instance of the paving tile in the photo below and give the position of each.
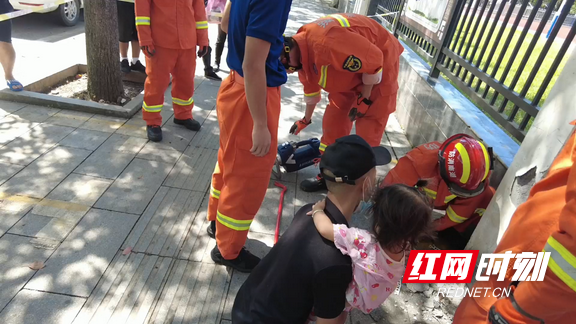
(103, 123)
(135, 187)
(128, 290)
(112, 157)
(136, 126)
(7, 107)
(197, 244)
(13, 126)
(209, 135)
(16, 253)
(45, 173)
(41, 307)
(30, 225)
(82, 258)
(85, 139)
(236, 282)
(194, 293)
(69, 118)
(265, 220)
(174, 142)
(36, 114)
(30, 145)
(194, 169)
(162, 228)
(7, 170)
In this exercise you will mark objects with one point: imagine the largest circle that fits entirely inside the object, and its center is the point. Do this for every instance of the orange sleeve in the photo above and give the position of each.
(312, 92)
(404, 172)
(142, 10)
(461, 209)
(201, 23)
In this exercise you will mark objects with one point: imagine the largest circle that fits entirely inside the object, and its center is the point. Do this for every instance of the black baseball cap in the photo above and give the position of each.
(350, 158)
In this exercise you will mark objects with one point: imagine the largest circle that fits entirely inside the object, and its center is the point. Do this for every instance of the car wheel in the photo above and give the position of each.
(69, 13)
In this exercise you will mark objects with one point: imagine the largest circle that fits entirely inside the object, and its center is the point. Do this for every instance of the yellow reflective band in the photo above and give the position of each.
(312, 94)
(214, 193)
(323, 76)
(465, 162)
(562, 262)
(486, 160)
(480, 211)
(235, 224)
(201, 25)
(216, 168)
(449, 198)
(182, 102)
(322, 147)
(147, 108)
(454, 217)
(142, 21)
(379, 71)
(430, 193)
(341, 19)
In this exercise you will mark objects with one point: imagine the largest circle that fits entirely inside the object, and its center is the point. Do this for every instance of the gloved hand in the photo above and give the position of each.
(203, 51)
(360, 109)
(148, 50)
(299, 126)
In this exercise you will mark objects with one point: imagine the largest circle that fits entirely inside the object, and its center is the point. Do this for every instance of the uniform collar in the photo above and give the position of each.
(334, 213)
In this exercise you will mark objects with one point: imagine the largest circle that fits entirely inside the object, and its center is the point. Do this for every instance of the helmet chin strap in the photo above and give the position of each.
(288, 44)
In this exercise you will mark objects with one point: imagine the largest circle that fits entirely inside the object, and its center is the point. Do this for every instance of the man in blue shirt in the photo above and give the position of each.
(248, 108)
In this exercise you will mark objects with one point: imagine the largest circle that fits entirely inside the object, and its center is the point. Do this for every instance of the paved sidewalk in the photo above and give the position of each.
(119, 222)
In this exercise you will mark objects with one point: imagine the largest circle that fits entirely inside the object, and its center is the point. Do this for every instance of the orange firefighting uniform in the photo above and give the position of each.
(240, 179)
(339, 54)
(174, 28)
(545, 222)
(421, 163)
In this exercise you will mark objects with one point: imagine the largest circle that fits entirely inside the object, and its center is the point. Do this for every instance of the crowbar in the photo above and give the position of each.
(279, 218)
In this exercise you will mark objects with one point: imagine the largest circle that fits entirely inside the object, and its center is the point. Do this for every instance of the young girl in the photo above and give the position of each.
(402, 215)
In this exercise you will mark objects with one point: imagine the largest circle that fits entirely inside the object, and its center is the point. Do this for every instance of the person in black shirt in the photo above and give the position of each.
(304, 272)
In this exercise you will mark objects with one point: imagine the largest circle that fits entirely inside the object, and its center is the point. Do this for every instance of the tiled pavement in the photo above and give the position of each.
(78, 190)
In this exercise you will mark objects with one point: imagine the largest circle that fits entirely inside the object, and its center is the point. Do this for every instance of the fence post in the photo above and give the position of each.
(452, 25)
(397, 18)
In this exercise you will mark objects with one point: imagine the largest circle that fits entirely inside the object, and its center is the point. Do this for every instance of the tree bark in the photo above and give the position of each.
(104, 77)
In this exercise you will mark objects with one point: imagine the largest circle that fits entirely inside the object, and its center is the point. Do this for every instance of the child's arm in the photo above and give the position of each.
(321, 221)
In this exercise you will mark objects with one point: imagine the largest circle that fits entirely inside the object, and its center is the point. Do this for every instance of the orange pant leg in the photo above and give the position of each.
(245, 177)
(469, 312)
(183, 84)
(158, 68)
(336, 123)
(372, 126)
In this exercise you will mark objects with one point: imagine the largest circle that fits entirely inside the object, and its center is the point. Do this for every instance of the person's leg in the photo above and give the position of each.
(220, 46)
(7, 58)
(372, 126)
(183, 89)
(124, 34)
(135, 64)
(209, 72)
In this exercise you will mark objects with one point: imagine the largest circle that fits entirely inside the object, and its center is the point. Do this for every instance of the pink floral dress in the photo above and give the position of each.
(375, 274)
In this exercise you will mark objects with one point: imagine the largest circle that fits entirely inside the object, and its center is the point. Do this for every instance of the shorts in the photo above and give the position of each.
(6, 25)
(126, 22)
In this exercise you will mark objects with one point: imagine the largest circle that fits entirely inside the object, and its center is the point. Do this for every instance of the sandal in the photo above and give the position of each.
(15, 85)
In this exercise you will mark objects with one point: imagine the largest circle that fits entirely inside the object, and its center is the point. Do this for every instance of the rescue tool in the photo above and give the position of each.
(294, 156)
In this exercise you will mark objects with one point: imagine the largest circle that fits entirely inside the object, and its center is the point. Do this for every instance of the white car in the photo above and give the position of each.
(68, 13)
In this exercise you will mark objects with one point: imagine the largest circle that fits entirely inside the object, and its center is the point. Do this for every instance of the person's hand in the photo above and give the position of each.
(261, 140)
(366, 91)
(148, 50)
(299, 126)
(319, 206)
(203, 51)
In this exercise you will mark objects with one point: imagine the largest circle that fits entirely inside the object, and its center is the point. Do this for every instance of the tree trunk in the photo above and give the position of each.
(104, 77)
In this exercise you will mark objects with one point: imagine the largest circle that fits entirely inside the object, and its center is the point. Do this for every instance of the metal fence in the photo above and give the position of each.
(495, 54)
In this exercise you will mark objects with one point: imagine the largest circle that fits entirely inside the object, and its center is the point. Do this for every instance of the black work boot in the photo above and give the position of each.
(314, 184)
(125, 66)
(211, 75)
(211, 229)
(191, 124)
(154, 133)
(244, 262)
(138, 67)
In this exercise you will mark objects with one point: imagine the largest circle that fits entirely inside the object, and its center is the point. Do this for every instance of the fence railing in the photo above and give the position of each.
(495, 54)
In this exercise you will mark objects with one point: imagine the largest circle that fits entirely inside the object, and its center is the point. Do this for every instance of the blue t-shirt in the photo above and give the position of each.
(262, 19)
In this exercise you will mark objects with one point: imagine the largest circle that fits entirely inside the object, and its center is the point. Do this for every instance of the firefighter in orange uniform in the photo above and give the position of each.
(169, 31)
(545, 222)
(356, 61)
(457, 172)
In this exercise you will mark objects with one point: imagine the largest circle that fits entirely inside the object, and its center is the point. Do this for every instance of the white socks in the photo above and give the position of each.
(124, 58)
(135, 60)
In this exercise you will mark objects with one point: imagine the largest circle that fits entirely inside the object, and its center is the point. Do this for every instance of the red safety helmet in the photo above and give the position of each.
(465, 164)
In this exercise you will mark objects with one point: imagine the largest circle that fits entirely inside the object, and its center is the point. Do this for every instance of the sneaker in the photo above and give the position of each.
(211, 229)
(244, 262)
(138, 67)
(217, 69)
(154, 133)
(211, 75)
(125, 66)
(314, 184)
(191, 124)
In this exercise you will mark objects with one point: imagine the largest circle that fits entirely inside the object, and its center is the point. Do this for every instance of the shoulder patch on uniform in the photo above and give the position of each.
(352, 64)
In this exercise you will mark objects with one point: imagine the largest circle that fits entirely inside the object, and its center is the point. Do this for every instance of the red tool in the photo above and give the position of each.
(279, 218)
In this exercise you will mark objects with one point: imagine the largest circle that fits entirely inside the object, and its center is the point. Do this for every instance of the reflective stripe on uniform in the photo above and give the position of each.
(182, 102)
(235, 224)
(147, 108)
(323, 76)
(486, 160)
(341, 19)
(465, 162)
(430, 193)
(454, 217)
(323, 147)
(202, 25)
(562, 262)
(314, 94)
(480, 211)
(449, 198)
(214, 193)
(142, 21)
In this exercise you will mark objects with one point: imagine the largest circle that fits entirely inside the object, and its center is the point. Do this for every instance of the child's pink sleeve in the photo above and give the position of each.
(351, 241)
